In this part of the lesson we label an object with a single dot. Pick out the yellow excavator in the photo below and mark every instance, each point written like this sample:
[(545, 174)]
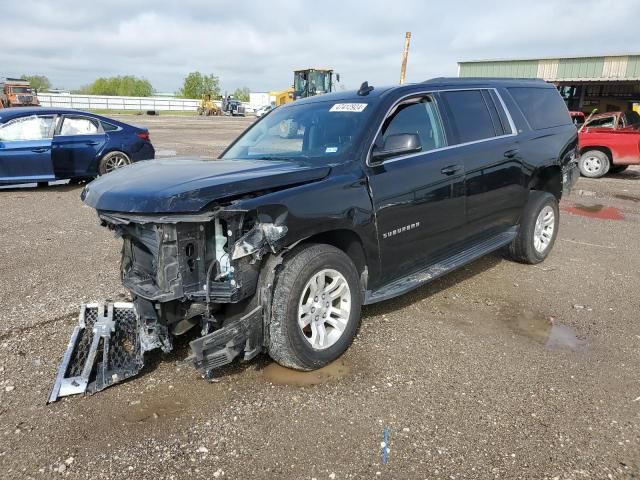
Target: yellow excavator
[(307, 82)]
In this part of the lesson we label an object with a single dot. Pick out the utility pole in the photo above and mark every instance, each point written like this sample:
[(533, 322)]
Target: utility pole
[(405, 55)]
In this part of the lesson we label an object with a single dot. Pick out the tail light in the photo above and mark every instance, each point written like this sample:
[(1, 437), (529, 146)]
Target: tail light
[(143, 136)]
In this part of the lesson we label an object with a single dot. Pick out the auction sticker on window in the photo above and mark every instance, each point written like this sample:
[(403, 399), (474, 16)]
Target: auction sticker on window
[(348, 107)]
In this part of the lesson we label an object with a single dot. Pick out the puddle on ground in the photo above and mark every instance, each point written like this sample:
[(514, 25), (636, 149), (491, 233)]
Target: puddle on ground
[(630, 198), (280, 375), (546, 330), (153, 409), (595, 211)]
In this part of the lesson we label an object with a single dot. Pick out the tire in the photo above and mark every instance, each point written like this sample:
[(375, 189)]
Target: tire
[(594, 164), (534, 241), (618, 168), (113, 161), (289, 344)]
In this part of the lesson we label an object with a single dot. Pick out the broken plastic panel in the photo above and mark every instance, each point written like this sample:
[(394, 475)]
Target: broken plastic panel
[(104, 349)]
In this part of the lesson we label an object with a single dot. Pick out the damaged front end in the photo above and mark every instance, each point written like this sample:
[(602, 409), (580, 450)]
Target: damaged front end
[(184, 272)]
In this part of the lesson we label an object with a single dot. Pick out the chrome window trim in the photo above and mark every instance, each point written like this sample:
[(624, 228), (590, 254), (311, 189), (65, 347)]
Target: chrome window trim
[(514, 131)]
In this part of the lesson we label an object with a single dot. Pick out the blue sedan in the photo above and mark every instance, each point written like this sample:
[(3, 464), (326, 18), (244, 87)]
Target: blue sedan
[(47, 144)]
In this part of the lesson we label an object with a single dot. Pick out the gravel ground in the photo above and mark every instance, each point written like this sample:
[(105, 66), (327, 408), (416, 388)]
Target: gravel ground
[(499, 370)]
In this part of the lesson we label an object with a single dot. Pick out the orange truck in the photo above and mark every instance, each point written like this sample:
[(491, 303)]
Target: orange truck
[(15, 92)]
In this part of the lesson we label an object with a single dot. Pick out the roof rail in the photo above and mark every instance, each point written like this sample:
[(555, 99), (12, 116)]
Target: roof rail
[(477, 79)]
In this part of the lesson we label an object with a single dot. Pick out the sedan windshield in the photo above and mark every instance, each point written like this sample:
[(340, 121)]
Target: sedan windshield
[(319, 131)]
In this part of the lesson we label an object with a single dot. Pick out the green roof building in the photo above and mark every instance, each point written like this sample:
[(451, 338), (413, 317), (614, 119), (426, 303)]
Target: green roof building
[(608, 83)]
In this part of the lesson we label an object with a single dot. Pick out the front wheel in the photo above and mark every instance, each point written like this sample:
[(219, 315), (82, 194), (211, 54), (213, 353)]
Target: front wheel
[(538, 229), (113, 161), (315, 309)]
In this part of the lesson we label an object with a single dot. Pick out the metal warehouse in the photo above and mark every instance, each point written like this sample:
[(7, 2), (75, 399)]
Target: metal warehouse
[(608, 83)]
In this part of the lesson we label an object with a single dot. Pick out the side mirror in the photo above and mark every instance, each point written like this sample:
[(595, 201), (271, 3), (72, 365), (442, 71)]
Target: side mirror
[(337, 77), (398, 144)]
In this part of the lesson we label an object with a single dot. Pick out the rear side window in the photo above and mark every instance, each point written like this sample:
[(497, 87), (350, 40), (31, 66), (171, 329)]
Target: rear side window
[(109, 127), (543, 107), (469, 114), (603, 122), (78, 126)]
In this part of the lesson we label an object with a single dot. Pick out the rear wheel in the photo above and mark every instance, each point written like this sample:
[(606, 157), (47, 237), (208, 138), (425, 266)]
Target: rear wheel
[(538, 229), (618, 168), (316, 308), (594, 164), (113, 161)]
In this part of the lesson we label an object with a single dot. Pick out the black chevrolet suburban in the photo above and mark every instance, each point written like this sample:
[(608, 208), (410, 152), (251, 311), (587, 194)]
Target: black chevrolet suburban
[(332, 202)]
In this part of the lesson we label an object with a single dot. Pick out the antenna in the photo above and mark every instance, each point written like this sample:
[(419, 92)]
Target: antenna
[(365, 89)]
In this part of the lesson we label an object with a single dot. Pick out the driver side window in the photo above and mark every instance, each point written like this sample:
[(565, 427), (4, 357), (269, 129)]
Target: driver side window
[(27, 128), (417, 116)]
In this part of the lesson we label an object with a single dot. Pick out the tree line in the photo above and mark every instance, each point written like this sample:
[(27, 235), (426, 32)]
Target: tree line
[(194, 86)]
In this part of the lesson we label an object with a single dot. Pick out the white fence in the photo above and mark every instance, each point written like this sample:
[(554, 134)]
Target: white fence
[(86, 102)]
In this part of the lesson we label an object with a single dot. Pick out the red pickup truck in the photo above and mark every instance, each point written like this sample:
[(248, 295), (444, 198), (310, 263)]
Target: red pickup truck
[(609, 142)]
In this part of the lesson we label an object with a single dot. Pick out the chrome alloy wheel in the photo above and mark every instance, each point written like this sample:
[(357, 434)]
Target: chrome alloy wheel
[(115, 162), (592, 165), (543, 231), (324, 308)]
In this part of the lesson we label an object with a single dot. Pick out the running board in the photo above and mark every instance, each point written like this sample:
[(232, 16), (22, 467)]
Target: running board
[(416, 279)]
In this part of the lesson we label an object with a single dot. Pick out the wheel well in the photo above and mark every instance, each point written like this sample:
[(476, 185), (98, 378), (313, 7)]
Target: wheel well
[(345, 240), (605, 150), (548, 179)]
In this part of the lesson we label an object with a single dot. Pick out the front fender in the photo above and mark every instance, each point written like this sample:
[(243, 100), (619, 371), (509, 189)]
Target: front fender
[(339, 202)]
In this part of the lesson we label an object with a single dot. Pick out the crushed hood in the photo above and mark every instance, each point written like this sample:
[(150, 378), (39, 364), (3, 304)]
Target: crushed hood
[(188, 185)]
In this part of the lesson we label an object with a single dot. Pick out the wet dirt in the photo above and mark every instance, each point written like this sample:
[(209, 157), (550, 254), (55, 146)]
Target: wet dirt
[(279, 375), (594, 211), (153, 408), (453, 356), (545, 330), (631, 198)]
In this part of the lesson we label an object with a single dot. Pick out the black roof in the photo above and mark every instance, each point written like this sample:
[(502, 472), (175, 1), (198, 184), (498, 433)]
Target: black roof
[(487, 81), (436, 83)]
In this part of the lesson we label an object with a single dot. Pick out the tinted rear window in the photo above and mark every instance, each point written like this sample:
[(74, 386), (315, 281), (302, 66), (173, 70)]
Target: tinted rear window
[(543, 107), (469, 115), (108, 127)]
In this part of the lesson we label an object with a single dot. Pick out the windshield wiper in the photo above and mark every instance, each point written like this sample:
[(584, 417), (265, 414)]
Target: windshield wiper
[(275, 157)]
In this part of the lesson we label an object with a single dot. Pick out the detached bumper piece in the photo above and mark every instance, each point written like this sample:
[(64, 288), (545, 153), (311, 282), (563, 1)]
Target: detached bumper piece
[(104, 349), (222, 346)]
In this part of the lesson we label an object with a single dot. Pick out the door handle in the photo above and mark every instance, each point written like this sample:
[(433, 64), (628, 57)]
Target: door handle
[(92, 142), (511, 153), (451, 169), (39, 150)]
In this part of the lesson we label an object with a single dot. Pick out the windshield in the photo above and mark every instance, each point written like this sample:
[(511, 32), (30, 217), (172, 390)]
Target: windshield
[(321, 131), (20, 90)]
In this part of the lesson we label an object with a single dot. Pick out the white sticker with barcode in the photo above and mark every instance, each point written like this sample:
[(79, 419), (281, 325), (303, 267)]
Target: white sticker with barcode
[(348, 107)]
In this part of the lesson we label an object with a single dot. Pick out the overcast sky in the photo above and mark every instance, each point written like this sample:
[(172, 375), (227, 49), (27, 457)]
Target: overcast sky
[(259, 43)]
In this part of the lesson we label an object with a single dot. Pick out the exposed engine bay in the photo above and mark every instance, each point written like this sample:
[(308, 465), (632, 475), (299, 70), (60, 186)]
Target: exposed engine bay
[(183, 272)]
